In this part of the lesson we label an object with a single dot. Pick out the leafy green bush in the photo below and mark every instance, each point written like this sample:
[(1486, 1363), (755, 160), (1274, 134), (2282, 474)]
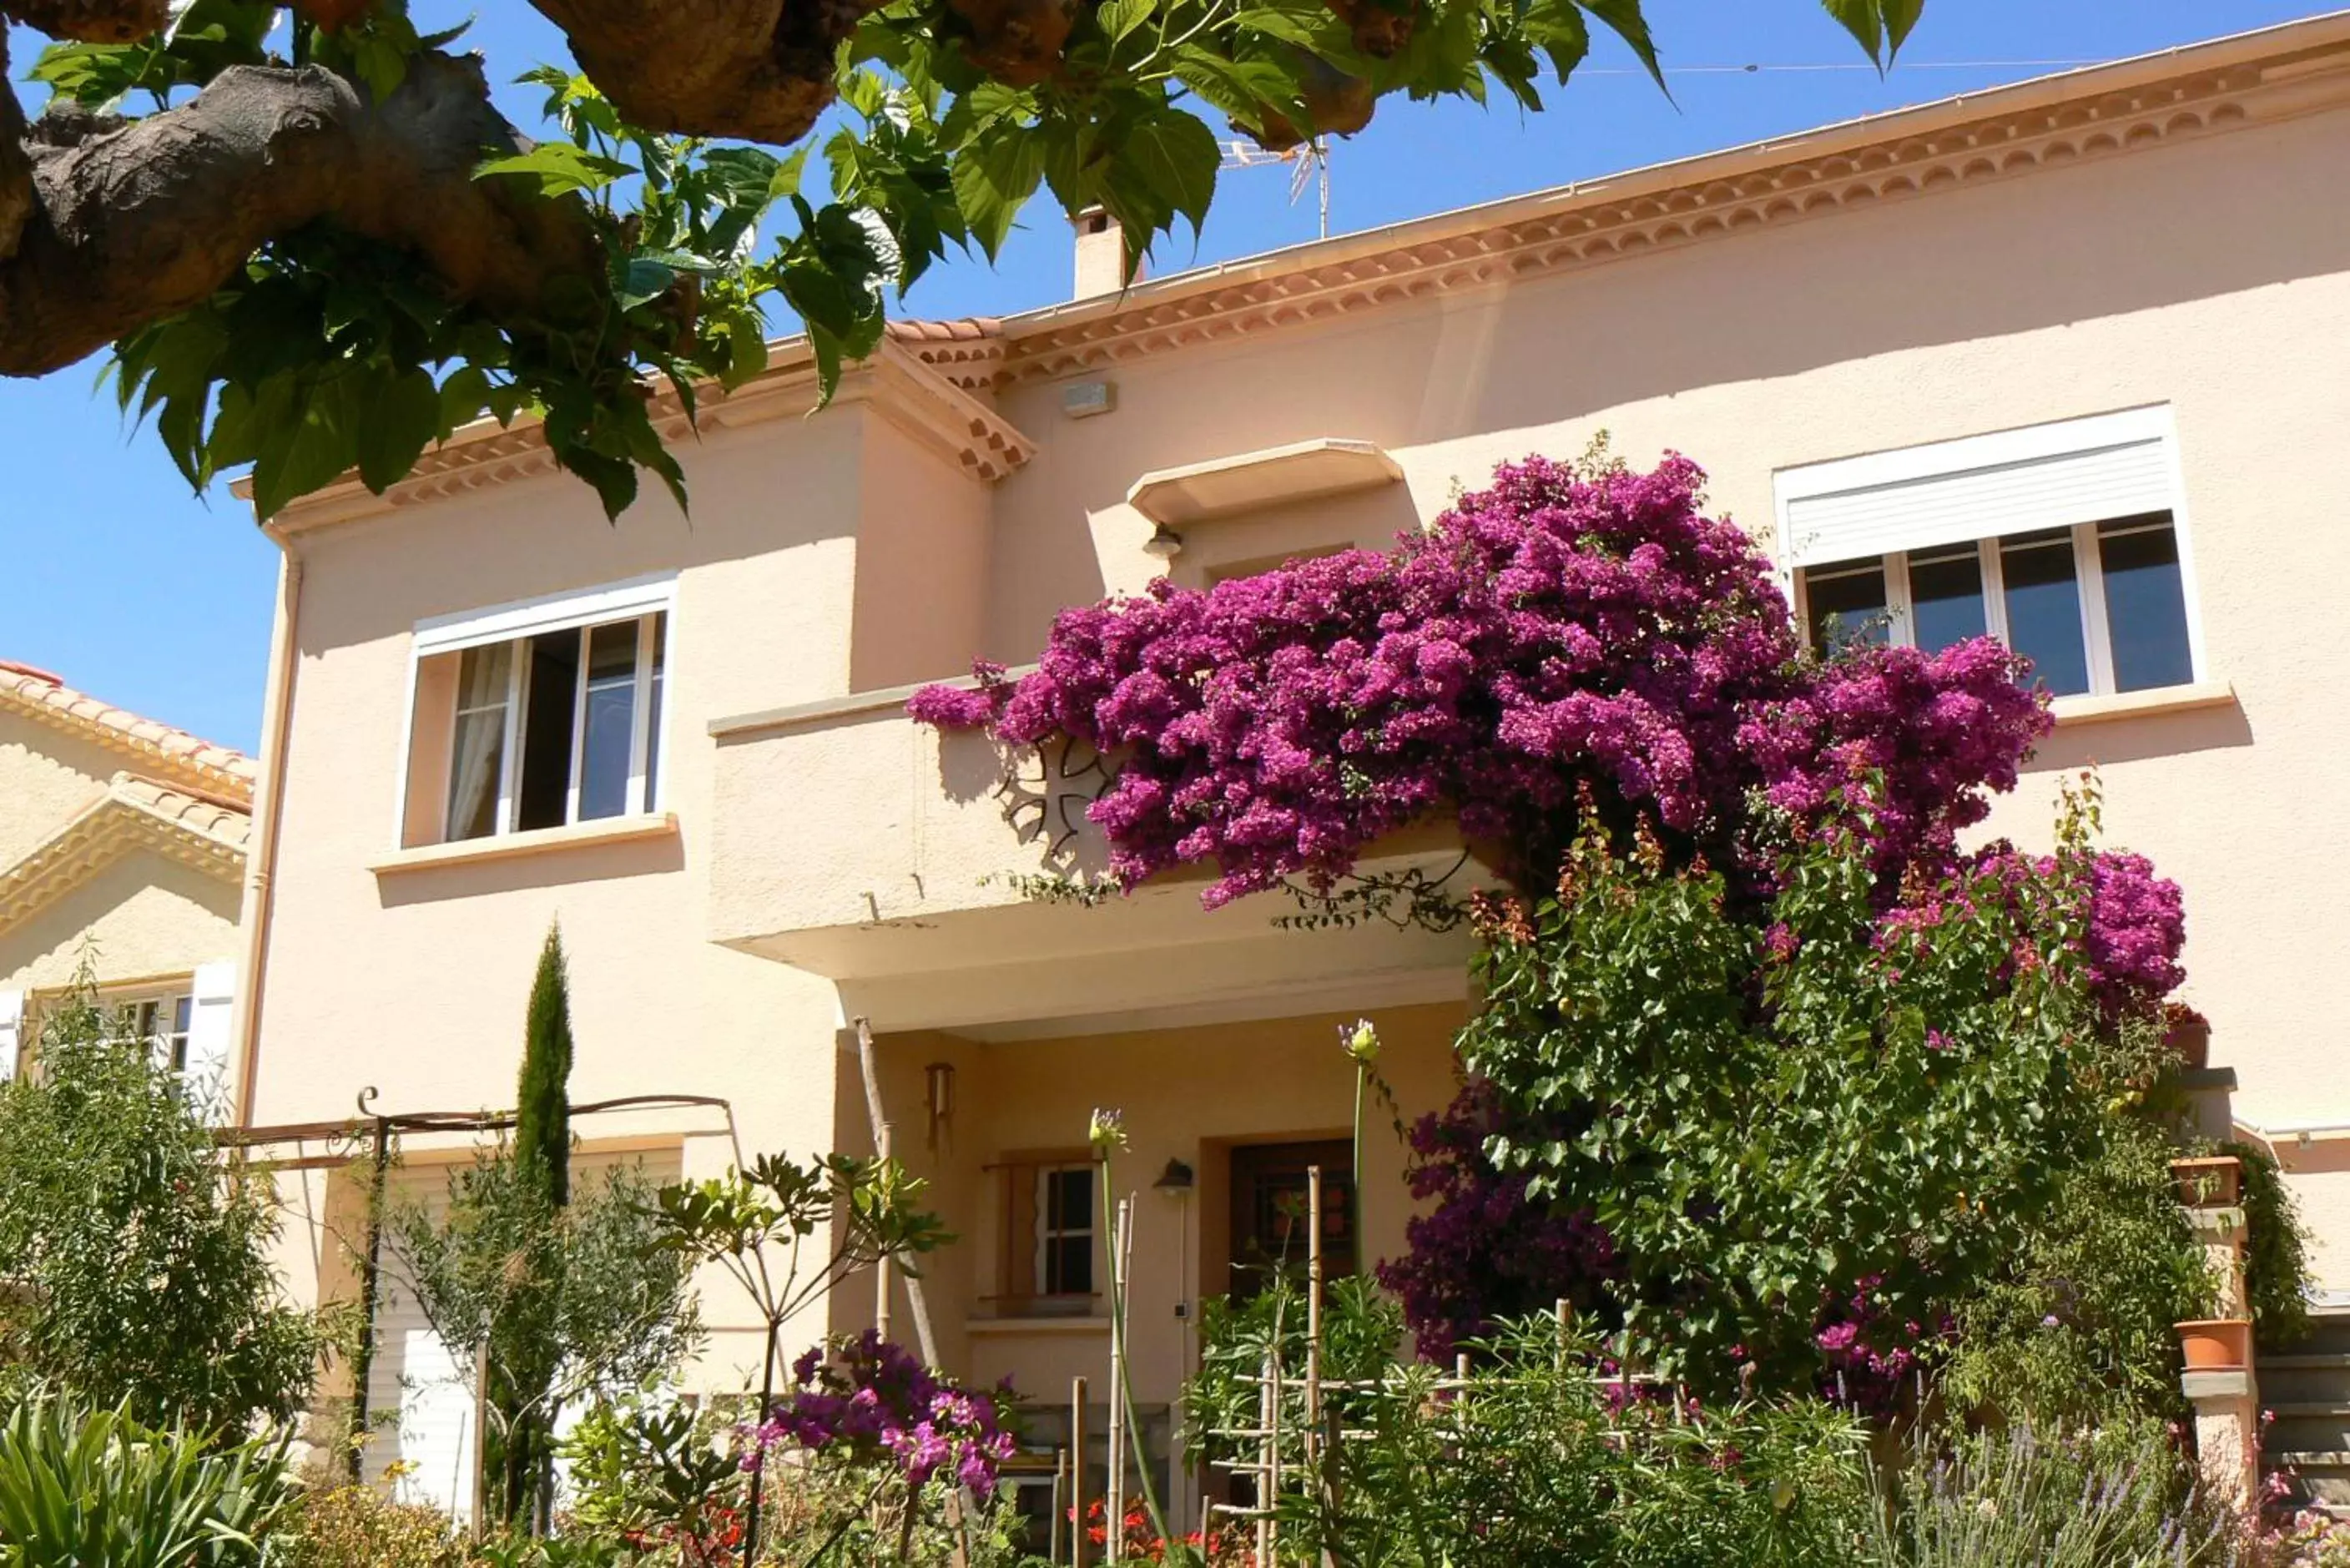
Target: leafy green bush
[(1361, 1328), (1539, 1460), (2276, 1249), (2078, 1332), (86, 1487), (659, 1477), (133, 1258)]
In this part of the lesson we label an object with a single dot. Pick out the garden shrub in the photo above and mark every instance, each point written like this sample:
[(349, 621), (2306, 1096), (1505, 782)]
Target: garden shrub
[(359, 1527), (1539, 1461), (134, 1257)]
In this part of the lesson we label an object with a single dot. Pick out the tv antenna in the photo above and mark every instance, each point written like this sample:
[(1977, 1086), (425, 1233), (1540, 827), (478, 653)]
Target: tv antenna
[(1309, 163)]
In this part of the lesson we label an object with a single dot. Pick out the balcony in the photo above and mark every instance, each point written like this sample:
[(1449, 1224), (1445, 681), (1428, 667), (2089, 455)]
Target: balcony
[(932, 877)]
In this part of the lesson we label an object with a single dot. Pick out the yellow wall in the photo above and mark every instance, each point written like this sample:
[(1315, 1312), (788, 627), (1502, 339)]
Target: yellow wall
[(143, 915)]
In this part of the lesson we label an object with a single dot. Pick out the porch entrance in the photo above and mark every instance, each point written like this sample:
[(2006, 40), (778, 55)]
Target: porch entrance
[(1269, 1209)]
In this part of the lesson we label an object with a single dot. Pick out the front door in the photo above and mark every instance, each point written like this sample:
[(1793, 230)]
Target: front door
[(1269, 1209)]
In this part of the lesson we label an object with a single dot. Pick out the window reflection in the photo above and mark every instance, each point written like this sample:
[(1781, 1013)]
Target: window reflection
[(1847, 606), (1946, 596), (2044, 609), (2145, 603)]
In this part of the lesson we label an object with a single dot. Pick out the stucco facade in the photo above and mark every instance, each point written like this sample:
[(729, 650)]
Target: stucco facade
[(123, 856), (2165, 236)]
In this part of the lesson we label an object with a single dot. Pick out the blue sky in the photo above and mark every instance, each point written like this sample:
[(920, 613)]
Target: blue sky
[(160, 600)]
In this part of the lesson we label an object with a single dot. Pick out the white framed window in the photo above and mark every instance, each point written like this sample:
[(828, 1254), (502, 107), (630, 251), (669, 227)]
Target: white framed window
[(2065, 541), (537, 715), (1065, 1229)]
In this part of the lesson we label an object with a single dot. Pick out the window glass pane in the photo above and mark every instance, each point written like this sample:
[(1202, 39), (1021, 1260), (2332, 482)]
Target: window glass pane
[(1945, 597), (477, 752), (653, 713), (2145, 604), (2044, 609), (1069, 1199), (1069, 1266), (183, 1011), (1846, 605), (610, 720), (543, 795)]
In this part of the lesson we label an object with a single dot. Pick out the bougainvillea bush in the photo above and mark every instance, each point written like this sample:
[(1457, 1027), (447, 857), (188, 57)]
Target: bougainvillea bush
[(1565, 626), (1770, 1069)]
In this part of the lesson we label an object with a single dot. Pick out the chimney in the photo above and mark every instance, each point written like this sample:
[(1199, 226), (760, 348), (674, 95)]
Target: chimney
[(1101, 254)]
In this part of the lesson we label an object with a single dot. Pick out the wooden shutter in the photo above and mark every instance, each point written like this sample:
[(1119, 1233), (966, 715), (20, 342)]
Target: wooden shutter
[(12, 1024), (208, 1034)]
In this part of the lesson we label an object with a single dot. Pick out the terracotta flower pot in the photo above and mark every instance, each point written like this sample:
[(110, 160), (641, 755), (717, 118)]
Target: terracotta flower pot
[(2189, 1037), (2214, 1182), (2217, 1345)]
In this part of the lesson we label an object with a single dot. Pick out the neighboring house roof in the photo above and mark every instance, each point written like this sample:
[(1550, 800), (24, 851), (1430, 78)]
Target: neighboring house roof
[(135, 813), (157, 749), (2007, 132)]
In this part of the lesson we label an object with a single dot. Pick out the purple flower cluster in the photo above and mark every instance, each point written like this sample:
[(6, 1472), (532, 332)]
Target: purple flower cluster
[(1480, 1251), (876, 1402), (1867, 1358), (1556, 628)]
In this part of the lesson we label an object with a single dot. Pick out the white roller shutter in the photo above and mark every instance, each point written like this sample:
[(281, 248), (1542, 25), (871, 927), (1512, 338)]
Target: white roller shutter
[(12, 1025), (2017, 482), (214, 994)]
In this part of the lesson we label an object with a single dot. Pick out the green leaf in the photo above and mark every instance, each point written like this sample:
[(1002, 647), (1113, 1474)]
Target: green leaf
[(1625, 18), (1119, 18), (312, 446), (993, 179), (462, 399), (642, 280), (1177, 156), (402, 415), (557, 169)]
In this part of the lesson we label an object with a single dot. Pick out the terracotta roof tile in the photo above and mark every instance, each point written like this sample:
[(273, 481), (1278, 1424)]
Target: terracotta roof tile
[(964, 330), (186, 760), (134, 813)]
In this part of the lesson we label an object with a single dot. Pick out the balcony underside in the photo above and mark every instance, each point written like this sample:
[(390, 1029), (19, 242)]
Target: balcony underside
[(1148, 959)]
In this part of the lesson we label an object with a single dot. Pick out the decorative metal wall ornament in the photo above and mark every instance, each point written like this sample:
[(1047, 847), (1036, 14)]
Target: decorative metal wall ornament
[(1046, 790)]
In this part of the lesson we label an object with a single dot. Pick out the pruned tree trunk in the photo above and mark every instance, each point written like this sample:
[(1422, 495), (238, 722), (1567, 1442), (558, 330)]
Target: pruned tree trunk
[(130, 222)]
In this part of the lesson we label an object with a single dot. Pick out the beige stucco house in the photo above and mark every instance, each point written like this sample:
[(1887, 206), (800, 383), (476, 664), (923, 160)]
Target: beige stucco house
[(122, 849), (2061, 360)]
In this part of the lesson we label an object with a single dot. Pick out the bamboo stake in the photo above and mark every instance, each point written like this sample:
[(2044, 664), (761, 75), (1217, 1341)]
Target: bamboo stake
[(480, 1439), (1268, 1397), (1113, 1509), (1316, 1460), (1077, 1473)]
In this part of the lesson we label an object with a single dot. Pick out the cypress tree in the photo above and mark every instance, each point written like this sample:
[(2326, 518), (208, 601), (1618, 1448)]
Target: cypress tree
[(526, 1347), (543, 1111)]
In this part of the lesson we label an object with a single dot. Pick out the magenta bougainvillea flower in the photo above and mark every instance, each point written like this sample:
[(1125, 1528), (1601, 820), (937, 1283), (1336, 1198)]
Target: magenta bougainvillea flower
[(875, 1402)]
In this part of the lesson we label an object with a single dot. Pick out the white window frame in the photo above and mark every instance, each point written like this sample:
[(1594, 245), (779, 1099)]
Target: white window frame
[(2029, 444), (641, 598), (1047, 1233)]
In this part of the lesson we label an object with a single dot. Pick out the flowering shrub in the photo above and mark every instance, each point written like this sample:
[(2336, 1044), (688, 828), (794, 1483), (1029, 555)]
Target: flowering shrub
[(1478, 1250), (875, 1402), (1560, 627)]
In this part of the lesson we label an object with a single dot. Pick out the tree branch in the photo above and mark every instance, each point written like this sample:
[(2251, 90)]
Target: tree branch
[(757, 69), (132, 222)]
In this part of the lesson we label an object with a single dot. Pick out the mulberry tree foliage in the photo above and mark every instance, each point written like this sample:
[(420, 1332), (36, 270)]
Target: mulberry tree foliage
[(314, 245), (1578, 659)]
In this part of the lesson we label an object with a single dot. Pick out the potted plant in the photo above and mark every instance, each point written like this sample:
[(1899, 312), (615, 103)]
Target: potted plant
[(2209, 1181), (2188, 1033), (2217, 1345)]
